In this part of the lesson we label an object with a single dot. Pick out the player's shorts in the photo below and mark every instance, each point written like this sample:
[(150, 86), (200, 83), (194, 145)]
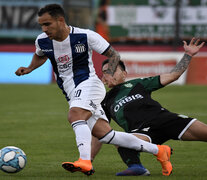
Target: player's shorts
[(171, 129), (88, 95)]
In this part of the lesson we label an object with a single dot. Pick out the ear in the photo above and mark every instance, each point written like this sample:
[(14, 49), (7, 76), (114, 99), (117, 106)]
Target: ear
[(61, 19), (124, 73)]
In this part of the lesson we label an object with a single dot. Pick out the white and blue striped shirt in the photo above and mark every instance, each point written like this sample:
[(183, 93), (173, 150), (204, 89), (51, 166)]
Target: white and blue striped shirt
[(72, 58)]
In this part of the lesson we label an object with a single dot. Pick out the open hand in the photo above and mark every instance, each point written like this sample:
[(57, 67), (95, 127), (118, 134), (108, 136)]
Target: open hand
[(193, 48)]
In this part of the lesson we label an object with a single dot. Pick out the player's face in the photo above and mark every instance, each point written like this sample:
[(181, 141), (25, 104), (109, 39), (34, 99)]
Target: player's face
[(50, 25), (111, 81)]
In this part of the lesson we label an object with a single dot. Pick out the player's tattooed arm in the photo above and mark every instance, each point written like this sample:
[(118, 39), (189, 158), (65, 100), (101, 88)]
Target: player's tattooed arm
[(183, 64), (177, 71), (191, 50), (114, 58)]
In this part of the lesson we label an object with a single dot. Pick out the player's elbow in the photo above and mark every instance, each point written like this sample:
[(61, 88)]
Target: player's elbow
[(176, 77), (166, 79)]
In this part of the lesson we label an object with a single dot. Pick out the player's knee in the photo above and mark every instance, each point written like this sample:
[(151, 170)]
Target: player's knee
[(76, 113), (107, 138)]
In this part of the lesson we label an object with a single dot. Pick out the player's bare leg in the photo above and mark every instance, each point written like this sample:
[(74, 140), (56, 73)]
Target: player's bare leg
[(196, 132)]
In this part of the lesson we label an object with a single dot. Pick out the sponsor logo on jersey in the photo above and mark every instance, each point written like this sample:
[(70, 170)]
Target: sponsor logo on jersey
[(126, 100), (93, 105), (128, 85), (65, 65), (80, 48), (47, 50), (102, 112), (63, 59)]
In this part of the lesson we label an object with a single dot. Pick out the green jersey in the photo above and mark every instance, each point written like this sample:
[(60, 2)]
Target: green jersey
[(130, 103)]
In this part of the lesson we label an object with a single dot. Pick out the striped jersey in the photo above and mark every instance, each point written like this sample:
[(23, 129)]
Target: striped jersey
[(72, 58)]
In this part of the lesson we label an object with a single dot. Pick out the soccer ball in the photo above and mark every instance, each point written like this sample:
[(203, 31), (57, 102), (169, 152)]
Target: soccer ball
[(12, 159)]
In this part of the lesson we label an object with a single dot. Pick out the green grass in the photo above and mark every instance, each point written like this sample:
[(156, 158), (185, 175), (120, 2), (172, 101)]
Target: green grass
[(34, 118)]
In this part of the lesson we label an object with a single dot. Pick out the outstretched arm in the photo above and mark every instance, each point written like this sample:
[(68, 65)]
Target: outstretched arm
[(190, 50), (36, 62)]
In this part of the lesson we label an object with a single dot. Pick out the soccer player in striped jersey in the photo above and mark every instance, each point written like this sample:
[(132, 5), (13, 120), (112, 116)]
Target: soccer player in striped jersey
[(70, 51)]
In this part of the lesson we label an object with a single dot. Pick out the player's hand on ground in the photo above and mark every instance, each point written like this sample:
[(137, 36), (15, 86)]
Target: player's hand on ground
[(193, 47), (22, 71)]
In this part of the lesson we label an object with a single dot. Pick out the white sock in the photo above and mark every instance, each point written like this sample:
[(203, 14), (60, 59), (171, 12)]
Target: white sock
[(83, 138), (129, 141)]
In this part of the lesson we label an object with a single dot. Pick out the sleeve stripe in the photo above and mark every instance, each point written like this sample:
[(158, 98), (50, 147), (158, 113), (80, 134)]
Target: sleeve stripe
[(106, 49), (160, 82)]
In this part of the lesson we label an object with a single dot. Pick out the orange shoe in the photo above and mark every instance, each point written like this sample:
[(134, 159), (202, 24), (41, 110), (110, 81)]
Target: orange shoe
[(84, 166), (163, 156)]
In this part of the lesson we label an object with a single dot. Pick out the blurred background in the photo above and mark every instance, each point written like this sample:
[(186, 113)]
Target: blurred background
[(147, 33)]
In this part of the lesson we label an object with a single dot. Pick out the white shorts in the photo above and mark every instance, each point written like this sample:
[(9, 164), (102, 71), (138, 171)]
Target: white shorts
[(88, 95)]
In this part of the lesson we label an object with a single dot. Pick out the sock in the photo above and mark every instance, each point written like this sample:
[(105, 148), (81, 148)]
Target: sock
[(129, 156), (129, 141), (83, 138)]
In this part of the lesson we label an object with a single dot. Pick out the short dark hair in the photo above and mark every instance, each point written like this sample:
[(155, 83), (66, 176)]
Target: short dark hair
[(54, 10), (121, 64)]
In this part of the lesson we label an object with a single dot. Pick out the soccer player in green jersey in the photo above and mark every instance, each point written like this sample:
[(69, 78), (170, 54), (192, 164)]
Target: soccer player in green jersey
[(130, 105)]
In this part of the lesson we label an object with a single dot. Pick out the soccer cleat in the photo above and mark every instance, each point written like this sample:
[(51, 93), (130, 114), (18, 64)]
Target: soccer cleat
[(163, 156), (134, 170), (84, 166)]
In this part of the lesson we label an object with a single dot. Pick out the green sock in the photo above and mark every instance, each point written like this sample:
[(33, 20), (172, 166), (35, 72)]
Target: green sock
[(129, 156)]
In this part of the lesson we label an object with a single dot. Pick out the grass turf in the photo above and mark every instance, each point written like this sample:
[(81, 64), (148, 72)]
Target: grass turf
[(34, 118)]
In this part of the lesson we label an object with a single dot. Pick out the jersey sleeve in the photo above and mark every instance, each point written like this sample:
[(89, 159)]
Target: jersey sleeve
[(38, 51), (150, 83), (97, 42)]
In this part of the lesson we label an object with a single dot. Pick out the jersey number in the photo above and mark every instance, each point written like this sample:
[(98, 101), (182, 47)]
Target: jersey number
[(77, 93)]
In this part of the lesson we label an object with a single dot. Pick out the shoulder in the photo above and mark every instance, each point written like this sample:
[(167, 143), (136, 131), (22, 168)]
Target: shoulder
[(132, 82), (144, 79), (42, 36), (150, 83), (91, 35), (77, 30)]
